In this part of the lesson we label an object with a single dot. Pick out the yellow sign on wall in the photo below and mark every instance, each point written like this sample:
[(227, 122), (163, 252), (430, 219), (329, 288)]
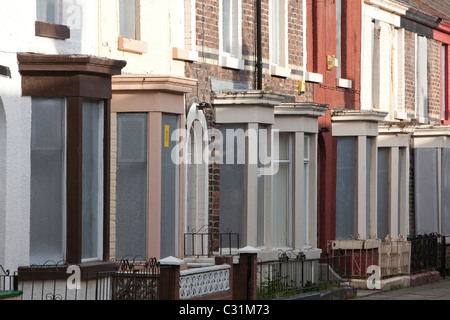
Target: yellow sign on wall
[(166, 136)]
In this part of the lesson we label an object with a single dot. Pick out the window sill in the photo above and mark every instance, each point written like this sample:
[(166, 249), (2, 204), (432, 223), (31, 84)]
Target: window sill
[(344, 83), (182, 54), (313, 77), (88, 271), (422, 119), (232, 63), (279, 71), (132, 45), (50, 30), (400, 115)]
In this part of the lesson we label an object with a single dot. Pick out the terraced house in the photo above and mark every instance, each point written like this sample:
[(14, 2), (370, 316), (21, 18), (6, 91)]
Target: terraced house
[(175, 133)]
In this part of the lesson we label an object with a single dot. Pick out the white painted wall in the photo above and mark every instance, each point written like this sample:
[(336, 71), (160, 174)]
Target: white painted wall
[(160, 28), (17, 32)]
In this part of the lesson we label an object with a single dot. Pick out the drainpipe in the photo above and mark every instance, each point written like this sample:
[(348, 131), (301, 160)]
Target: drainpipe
[(258, 46)]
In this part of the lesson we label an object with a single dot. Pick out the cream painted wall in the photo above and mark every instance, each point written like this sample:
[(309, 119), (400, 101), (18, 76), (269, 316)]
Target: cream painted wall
[(158, 28)]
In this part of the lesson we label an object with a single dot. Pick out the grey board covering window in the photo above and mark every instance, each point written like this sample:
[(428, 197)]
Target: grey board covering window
[(369, 143), (232, 192), (169, 187), (422, 76), (47, 180), (281, 193), (445, 209), (426, 190), (345, 188), (383, 193), (131, 188), (92, 171), (49, 11), (127, 18)]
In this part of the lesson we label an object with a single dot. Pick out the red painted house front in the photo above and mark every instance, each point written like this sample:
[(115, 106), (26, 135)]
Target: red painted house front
[(340, 89)]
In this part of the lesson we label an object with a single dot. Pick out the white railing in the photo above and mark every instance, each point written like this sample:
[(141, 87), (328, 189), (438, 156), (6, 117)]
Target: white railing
[(203, 281)]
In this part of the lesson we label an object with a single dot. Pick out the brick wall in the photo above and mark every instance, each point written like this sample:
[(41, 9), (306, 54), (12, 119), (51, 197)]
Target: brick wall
[(410, 73), (242, 280), (208, 67), (434, 81)]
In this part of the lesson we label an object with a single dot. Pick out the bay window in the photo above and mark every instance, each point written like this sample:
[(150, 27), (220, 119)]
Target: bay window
[(69, 155)]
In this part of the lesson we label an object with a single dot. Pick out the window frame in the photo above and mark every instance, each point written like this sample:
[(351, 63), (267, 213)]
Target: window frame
[(51, 29), (233, 59), (135, 16), (289, 218), (278, 39), (133, 44), (421, 80), (185, 47)]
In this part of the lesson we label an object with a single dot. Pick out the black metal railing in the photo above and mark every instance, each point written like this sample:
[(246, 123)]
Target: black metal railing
[(8, 281), (293, 274), (444, 255), (209, 242), (128, 279), (136, 280), (424, 252)]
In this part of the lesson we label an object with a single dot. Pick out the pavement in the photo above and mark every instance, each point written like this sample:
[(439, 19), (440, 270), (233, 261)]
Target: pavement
[(439, 290)]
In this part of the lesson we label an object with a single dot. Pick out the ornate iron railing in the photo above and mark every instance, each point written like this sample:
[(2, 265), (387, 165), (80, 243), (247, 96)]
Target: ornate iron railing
[(8, 281), (136, 280), (129, 279), (207, 241), (424, 252), (293, 273)]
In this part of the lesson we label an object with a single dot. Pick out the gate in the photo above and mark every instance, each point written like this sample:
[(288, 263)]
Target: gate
[(136, 280)]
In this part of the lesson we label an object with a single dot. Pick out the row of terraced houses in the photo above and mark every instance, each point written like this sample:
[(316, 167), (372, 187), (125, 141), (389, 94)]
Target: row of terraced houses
[(347, 100)]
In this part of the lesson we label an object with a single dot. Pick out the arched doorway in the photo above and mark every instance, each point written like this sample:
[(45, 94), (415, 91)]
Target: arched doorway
[(196, 212)]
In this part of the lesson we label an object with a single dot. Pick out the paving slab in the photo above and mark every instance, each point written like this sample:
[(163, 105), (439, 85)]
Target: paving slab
[(434, 291)]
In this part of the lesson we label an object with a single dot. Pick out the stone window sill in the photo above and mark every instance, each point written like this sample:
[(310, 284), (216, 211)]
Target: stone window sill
[(229, 62), (50, 30), (132, 45), (313, 77), (280, 71), (182, 54)]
